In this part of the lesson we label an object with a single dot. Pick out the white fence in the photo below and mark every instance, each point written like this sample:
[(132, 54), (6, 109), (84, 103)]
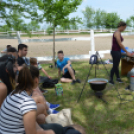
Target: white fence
[(62, 31), (90, 38)]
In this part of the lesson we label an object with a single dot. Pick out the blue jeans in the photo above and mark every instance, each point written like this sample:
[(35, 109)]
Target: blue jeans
[(58, 129)]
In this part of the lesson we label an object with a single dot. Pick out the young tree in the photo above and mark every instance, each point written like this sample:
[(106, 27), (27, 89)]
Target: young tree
[(13, 13), (129, 22), (132, 18), (100, 18), (112, 20), (89, 16), (57, 13)]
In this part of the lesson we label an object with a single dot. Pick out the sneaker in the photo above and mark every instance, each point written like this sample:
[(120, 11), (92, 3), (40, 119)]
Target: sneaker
[(54, 112), (119, 80), (78, 81), (54, 106), (111, 82), (73, 82)]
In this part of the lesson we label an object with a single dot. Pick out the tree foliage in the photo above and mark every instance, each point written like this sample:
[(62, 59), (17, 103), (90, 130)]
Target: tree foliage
[(112, 20), (89, 15), (13, 13), (56, 12), (99, 18)]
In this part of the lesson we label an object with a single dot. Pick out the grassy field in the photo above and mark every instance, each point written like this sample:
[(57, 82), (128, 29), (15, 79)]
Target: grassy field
[(97, 117)]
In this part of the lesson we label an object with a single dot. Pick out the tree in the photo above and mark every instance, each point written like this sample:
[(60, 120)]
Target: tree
[(129, 22), (33, 25), (13, 12), (132, 18), (57, 13), (112, 20), (4, 28), (100, 18), (89, 15)]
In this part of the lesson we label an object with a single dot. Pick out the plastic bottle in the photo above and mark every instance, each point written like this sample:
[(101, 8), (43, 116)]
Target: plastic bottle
[(132, 79)]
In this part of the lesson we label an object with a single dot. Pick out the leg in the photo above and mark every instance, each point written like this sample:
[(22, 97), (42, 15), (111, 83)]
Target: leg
[(41, 105), (116, 60), (65, 80), (112, 70), (58, 129), (117, 67), (71, 71), (41, 119), (40, 108)]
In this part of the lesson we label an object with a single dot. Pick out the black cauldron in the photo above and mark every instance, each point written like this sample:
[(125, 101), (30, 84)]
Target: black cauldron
[(98, 84)]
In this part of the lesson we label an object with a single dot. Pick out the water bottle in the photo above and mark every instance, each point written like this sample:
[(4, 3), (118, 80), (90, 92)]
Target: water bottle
[(132, 79)]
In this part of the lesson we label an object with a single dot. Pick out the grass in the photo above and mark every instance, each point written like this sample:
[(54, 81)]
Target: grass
[(96, 116)]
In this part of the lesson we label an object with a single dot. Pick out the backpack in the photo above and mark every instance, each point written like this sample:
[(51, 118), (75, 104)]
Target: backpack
[(49, 83), (93, 59)]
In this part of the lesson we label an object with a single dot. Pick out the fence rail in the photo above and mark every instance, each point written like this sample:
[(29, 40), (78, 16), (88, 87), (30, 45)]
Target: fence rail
[(62, 31)]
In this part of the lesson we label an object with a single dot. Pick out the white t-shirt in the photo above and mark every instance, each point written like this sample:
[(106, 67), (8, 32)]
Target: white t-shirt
[(12, 111)]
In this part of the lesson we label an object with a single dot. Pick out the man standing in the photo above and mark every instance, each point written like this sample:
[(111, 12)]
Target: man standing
[(64, 65)]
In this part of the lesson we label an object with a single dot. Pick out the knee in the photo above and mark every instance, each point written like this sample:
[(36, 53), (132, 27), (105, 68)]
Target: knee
[(62, 79), (69, 67), (41, 119)]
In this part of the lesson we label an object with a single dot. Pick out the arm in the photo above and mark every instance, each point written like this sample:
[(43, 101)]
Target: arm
[(117, 36), (45, 73), (33, 127), (20, 67), (68, 64), (3, 93), (3, 52)]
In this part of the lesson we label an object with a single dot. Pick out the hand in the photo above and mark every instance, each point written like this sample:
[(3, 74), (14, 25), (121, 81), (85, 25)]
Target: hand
[(49, 77), (129, 54)]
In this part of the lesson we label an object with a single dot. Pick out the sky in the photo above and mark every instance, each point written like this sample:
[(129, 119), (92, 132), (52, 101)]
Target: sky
[(124, 8)]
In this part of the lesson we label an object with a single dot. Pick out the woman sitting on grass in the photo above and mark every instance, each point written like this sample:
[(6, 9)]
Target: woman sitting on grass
[(18, 111), (8, 69)]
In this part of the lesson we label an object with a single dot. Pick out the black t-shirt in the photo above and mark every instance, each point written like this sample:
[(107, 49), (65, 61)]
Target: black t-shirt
[(21, 61)]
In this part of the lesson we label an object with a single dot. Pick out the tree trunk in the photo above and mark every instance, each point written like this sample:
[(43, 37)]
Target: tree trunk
[(54, 46)]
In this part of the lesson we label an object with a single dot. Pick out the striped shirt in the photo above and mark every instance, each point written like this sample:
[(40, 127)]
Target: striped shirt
[(12, 111)]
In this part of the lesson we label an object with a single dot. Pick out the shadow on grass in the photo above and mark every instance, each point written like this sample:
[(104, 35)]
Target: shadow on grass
[(92, 113)]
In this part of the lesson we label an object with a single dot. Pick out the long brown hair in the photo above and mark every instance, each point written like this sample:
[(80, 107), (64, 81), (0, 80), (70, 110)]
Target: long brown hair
[(25, 81)]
